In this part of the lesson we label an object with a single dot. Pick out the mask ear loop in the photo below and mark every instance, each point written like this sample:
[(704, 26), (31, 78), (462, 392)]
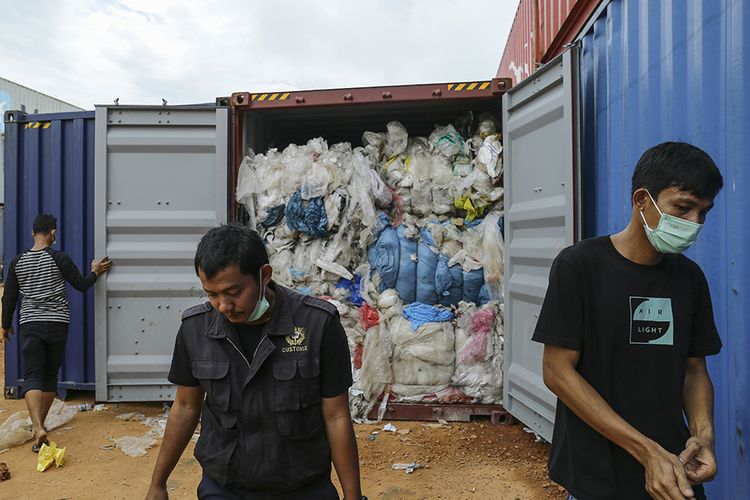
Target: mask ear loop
[(657, 209)]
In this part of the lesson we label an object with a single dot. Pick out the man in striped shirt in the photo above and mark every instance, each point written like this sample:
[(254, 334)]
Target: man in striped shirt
[(39, 275)]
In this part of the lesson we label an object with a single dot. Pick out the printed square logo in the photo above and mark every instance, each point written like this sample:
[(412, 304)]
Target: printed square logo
[(651, 321)]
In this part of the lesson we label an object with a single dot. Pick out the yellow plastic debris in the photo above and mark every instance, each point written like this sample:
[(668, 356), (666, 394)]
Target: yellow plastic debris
[(49, 454), (473, 208)]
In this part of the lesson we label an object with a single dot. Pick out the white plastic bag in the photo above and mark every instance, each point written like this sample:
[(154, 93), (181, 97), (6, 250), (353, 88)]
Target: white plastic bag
[(492, 256), (396, 139)]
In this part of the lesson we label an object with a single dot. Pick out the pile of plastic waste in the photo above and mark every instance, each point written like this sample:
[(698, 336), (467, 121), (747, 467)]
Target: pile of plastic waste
[(404, 236)]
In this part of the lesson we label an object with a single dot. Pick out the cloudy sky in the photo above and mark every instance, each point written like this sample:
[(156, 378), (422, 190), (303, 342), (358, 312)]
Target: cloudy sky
[(91, 51)]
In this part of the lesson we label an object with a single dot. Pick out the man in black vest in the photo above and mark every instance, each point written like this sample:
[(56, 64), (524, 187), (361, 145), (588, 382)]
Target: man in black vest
[(275, 370)]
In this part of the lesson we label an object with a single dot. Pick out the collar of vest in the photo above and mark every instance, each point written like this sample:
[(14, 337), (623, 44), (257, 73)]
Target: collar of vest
[(280, 324)]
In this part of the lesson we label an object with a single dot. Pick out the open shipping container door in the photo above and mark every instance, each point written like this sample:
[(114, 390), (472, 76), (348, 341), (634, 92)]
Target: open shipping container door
[(541, 212), (161, 183)]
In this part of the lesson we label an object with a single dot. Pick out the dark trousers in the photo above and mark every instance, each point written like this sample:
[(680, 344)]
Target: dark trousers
[(208, 489), (42, 346)]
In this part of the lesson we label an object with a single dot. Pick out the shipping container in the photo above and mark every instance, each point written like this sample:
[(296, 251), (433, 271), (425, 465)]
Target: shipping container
[(17, 97), (50, 169), (161, 183), (540, 32), (678, 71), (261, 121)]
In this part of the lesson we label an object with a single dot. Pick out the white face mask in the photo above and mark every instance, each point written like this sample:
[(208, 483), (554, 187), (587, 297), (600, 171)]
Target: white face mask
[(672, 234)]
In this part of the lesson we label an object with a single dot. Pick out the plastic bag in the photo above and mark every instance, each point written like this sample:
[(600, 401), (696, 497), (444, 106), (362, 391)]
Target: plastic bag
[(488, 125), (247, 186), (421, 314), (136, 446), (308, 217), (490, 156), (396, 139), (49, 454), (16, 430), (464, 124), (423, 357), (492, 261), (316, 182), (447, 141), (406, 280), (369, 316), (421, 192), (427, 260)]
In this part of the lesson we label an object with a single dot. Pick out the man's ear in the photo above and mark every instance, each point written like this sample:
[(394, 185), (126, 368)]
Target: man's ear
[(640, 199)]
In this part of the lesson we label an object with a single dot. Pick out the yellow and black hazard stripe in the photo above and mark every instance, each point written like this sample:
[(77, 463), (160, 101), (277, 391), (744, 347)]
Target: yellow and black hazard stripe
[(278, 96), (468, 86), (38, 125)]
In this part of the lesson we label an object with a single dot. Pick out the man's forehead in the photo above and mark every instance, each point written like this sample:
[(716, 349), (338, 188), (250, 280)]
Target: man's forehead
[(679, 195)]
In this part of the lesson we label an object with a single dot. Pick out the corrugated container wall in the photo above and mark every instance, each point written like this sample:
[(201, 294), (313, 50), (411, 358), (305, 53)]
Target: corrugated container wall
[(540, 32), (17, 97), (50, 168), (674, 70)]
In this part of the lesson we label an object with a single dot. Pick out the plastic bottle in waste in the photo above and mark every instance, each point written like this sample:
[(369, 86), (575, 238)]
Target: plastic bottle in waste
[(85, 407)]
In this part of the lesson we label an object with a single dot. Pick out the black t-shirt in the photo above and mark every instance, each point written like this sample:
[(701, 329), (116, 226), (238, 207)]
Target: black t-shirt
[(335, 363), (635, 327)]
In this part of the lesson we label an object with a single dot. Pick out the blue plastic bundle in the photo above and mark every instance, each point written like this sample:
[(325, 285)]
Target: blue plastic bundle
[(406, 282), (420, 314), (449, 282), (473, 283), (384, 257), (308, 217), (355, 289), (426, 269), (484, 295)]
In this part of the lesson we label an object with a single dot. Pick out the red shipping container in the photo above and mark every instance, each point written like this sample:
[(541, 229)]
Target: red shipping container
[(540, 31)]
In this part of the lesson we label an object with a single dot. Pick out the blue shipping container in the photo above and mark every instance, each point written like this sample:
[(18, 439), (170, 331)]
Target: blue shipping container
[(49, 168), (654, 71)]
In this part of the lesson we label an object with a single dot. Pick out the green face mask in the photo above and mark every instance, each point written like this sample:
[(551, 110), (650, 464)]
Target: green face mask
[(261, 307), (672, 234)]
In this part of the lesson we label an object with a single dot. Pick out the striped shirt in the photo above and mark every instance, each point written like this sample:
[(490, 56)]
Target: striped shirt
[(40, 276)]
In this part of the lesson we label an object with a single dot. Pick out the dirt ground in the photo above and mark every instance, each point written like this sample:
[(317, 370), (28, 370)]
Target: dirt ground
[(463, 461)]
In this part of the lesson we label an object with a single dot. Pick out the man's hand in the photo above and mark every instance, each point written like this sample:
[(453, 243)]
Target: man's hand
[(157, 493), (7, 334), (665, 476), (102, 266), (699, 460)]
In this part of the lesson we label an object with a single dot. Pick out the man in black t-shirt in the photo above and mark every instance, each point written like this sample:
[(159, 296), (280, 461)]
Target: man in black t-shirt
[(627, 322), (267, 371)]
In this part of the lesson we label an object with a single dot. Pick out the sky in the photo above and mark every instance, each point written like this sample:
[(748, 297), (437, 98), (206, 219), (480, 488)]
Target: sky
[(90, 52)]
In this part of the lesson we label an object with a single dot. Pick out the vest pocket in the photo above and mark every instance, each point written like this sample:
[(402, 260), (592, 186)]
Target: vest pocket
[(297, 397), (214, 379)]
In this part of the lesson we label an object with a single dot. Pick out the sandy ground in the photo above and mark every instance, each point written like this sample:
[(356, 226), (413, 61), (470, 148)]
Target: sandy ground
[(463, 461)]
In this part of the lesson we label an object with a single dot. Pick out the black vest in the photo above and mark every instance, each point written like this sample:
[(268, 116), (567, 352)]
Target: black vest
[(262, 426)]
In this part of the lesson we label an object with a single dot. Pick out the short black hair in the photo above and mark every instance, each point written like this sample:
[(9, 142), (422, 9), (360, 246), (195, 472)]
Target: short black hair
[(44, 224), (230, 244), (677, 164)]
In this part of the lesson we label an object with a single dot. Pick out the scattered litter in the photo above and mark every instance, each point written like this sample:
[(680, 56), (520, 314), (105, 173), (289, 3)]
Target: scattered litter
[(16, 430), (389, 428), (69, 428), (131, 416), (100, 407), (409, 468), (537, 437), (136, 446), (49, 454), (403, 432), (372, 437), (3, 411), (4, 472), (85, 406)]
